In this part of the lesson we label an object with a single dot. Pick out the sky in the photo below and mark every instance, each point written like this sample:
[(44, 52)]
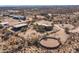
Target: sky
[(39, 2)]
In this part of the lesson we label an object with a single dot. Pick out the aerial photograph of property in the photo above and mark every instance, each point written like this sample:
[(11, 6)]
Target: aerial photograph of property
[(39, 29)]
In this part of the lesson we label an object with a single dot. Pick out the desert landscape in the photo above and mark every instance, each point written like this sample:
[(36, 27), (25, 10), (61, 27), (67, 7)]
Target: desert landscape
[(39, 29)]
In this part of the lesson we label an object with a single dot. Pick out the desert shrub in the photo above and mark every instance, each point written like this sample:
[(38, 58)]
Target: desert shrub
[(1, 26)]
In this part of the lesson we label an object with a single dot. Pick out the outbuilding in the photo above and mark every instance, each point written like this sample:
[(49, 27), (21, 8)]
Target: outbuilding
[(18, 17)]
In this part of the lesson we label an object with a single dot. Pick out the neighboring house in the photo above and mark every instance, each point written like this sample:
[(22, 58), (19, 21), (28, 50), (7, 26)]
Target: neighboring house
[(4, 24), (19, 17)]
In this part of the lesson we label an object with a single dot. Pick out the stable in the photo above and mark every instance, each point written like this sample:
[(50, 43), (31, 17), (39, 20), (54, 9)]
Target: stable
[(43, 26), (18, 27)]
